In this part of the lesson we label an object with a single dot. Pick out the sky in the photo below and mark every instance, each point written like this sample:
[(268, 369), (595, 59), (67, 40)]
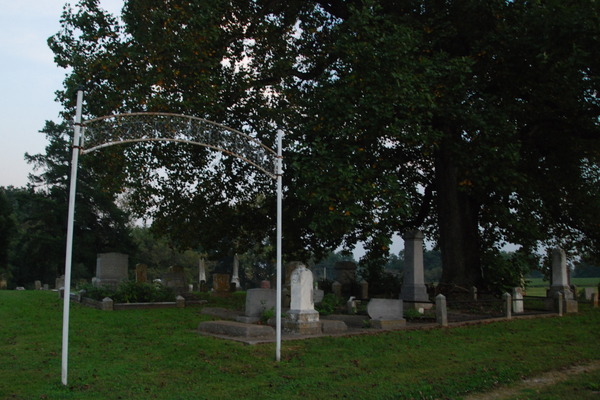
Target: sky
[(28, 80)]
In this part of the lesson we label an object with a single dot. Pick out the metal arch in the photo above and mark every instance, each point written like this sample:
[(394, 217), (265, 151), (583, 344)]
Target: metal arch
[(117, 129), (240, 145)]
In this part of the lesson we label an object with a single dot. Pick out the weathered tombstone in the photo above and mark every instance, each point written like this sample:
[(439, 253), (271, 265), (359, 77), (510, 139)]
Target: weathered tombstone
[(560, 278), (174, 278), (507, 298), (289, 270), (441, 312), (141, 273), (265, 284), (60, 282), (345, 272), (3, 284), (111, 269), (473, 293), (201, 271), (221, 283), (46, 286), (336, 288), (38, 285), (518, 306), (107, 304), (594, 300), (302, 318), (560, 282), (588, 292), (364, 289), (414, 291), (235, 278), (180, 301), (257, 302), (318, 295), (386, 313)]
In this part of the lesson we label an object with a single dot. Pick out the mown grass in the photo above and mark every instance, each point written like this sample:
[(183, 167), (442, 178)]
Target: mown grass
[(157, 354)]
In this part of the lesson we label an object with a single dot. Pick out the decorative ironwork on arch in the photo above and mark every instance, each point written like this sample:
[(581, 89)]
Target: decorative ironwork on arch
[(145, 127)]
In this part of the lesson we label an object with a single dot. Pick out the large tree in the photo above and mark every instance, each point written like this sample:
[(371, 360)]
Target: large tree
[(476, 121)]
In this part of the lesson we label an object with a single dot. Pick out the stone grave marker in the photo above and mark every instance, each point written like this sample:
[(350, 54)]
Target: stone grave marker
[(141, 273), (302, 318), (175, 278), (414, 291), (221, 283), (518, 306), (386, 313), (257, 302), (60, 282), (111, 269)]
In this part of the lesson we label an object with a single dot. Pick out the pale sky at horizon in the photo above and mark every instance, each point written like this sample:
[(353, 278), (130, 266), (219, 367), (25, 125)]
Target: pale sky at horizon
[(29, 80)]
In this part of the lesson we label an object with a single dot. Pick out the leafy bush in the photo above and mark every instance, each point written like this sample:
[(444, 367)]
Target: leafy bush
[(131, 292), (329, 304)]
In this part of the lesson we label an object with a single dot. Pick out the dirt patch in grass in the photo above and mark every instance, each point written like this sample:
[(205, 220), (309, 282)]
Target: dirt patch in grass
[(542, 381)]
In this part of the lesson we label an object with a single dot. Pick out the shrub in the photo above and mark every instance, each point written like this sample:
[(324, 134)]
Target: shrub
[(131, 292)]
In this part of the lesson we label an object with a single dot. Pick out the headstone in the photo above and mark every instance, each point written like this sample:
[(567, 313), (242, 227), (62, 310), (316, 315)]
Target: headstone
[(141, 273), (111, 269), (336, 288), (180, 301), (560, 278), (507, 298), (351, 306), (518, 306), (318, 295), (201, 270), (302, 318), (345, 272), (60, 282), (46, 286), (235, 278), (473, 293), (441, 312), (289, 270), (386, 313), (38, 285), (221, 283), (19, 288), (364, 289), (107, 304), (257, 302), (414, 291), (588, 292), (3, 284), (595, 300), (174, 278)]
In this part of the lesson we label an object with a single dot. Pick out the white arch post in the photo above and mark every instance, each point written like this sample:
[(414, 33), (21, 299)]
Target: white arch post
[(78, 147)]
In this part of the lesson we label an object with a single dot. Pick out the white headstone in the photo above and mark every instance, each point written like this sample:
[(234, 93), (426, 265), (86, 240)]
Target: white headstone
[(413, 286), (302, 289), (560, 278)]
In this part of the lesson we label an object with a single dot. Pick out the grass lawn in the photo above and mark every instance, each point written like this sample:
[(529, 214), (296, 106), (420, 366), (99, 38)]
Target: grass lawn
[(157, 354), (538, 286)]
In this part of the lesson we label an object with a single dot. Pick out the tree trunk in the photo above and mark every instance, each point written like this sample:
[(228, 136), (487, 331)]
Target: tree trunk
[(458, 225)]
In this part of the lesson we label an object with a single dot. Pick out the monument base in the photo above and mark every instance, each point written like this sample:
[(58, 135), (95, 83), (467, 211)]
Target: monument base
[(302, 322), (388, 323)]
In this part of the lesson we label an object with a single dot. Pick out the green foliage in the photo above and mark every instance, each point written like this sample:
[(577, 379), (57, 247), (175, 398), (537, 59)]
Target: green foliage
[(131, 292), (476, 123), (330, 304)]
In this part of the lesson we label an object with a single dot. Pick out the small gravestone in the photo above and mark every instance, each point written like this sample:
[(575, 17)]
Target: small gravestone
[(588, 292), (201, 271), (60, 282), (235, 278), (111, 269), (318, 295), (364, 289), (258, 301), (38, 285), (302, 318), (46, 286), (221, 283), (336, 288), (174, 278), (141, 273), (518, 306), (441, 312), (3, 284), (386, 313)]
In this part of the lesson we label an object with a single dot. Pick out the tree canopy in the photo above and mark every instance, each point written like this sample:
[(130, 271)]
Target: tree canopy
[(475, 121)]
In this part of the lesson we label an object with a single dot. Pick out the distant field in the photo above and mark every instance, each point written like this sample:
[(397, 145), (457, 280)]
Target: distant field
[(537, 286), (580, 282)]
